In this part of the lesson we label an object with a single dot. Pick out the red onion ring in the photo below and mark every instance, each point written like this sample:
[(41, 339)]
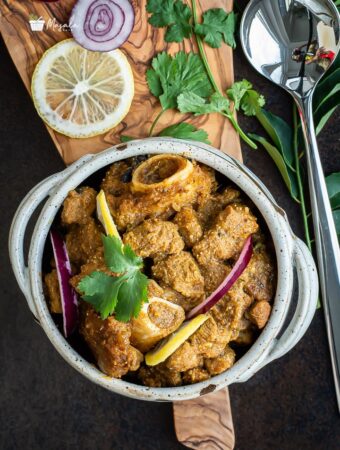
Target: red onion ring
[(102, 25), (228, 282), (69, 300)]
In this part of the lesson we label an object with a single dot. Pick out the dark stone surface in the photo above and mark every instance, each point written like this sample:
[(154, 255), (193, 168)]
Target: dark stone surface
[(45, 404)]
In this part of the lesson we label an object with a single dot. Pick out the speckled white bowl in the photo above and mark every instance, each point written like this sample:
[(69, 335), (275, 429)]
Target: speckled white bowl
[(293, 258)]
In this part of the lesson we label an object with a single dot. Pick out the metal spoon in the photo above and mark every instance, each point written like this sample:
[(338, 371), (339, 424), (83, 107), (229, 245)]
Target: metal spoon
[(293, 43)]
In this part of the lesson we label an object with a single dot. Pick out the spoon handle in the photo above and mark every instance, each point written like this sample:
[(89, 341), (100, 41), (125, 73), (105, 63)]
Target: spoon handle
[(327, 245)]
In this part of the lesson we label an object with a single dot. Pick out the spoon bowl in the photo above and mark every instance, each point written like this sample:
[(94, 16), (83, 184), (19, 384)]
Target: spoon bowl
[(293, 43)]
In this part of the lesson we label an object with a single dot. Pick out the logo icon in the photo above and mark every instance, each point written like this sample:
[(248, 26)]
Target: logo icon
[(36, 23)]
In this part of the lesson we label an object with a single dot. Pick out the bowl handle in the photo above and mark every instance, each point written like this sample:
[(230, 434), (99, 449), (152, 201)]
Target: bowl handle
[(20, 222), (308, 286)]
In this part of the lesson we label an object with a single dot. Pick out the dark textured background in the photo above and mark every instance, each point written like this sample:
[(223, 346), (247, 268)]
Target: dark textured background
[(46, 405)]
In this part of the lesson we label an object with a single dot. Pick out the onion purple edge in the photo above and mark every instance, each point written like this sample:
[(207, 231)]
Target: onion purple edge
[(239, 267), (69, 299)]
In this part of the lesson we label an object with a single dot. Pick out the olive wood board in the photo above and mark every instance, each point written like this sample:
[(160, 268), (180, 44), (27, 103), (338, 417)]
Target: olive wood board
[(206, 422), (26, 47)]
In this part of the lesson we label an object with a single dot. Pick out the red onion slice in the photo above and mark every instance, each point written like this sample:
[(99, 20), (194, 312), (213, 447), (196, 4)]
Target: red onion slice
[(102, 25), (231, 278), (69, 301)]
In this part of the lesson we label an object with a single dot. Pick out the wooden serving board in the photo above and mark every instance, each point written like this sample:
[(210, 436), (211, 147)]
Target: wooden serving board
[(204, 423), (26, 47)]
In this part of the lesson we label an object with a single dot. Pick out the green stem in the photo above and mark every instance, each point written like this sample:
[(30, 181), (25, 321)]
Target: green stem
[(299, 180), (155, 122), (240, 131), (202, 51)]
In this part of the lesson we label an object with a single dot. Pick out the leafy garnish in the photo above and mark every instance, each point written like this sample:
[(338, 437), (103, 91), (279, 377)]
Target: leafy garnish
[(193, 103), (124, 291), (217, 25), (245, 97), (172, 75), (173, 14), (185, 131)]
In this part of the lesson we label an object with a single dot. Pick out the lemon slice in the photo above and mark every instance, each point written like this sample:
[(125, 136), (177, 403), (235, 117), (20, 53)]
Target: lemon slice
[(81, 93), (174, 341), (104, 216)]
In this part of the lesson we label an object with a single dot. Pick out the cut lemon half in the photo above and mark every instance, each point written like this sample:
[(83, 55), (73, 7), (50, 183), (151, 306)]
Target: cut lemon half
[(104, 216), (81, 93), (169, 345)]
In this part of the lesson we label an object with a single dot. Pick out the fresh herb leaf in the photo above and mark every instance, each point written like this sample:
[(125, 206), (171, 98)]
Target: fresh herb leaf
[(251, 102), (185, 131), (171, 76), (173, 14), (217, 25), (125, 138), (237, 91), (125, 291), (190, 102), (329, 104), (333, 187)]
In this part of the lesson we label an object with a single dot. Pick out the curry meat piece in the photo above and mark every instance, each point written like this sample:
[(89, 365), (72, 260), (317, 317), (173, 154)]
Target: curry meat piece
[(187, 303), (195, 375), (259, 313), (227, 236), (82, 241), (159, 376), (94, 263), (114, 182), (109, 341), (154, 238), (260, 276), (184, 358), (208, 210), (53, 292), (213, 275), (221, 362), (78, 206), (131, 208), (189, 226), (181, 273)]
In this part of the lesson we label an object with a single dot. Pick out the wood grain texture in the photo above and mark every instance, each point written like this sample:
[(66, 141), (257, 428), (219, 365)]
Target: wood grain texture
[(26, 48), (205, 423)]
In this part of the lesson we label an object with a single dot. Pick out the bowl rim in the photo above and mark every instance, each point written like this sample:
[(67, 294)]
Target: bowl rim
[(274, 217)]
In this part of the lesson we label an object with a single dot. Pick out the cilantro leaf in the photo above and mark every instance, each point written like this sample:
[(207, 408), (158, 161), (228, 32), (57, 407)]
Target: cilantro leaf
[(101, 291), (185, 131), (120, 258), (245, 97), (193, 103), (173, 14), (183, 72), (217, 25), (122, 294)]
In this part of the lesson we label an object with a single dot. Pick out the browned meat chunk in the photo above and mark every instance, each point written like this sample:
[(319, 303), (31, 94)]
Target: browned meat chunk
[(181, 273), (154, 237), (221, 363), (184, 358), (189, 226), (226, 238), (260, 276), (214, 204), (259, 313), (79, 206), (209, 340), (195, 375), (53, 292), (130, 209), (109, 341), (159, 376), (113, 182), (187, 303), (213, 274), (95, 263), (82, 241)]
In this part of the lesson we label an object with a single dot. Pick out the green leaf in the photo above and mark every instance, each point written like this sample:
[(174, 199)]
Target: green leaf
[(124, 138), (189, 102), (336, 217), (251, 102), (288, 175), (185, 131), (328, 105), (333, 187), (329, 85), (101, 291), (237, 91), (280, 133), (132, 294), (181, 73), (120, 258), (324, 120), (217, 25)]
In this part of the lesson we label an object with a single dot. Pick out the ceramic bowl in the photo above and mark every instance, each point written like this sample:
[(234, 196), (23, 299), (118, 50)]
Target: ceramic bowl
[(295, 266)]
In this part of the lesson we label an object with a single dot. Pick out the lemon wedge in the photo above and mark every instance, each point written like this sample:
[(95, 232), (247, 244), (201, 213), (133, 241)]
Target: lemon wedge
[(104, 216), (174, 341), (81, 93)]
